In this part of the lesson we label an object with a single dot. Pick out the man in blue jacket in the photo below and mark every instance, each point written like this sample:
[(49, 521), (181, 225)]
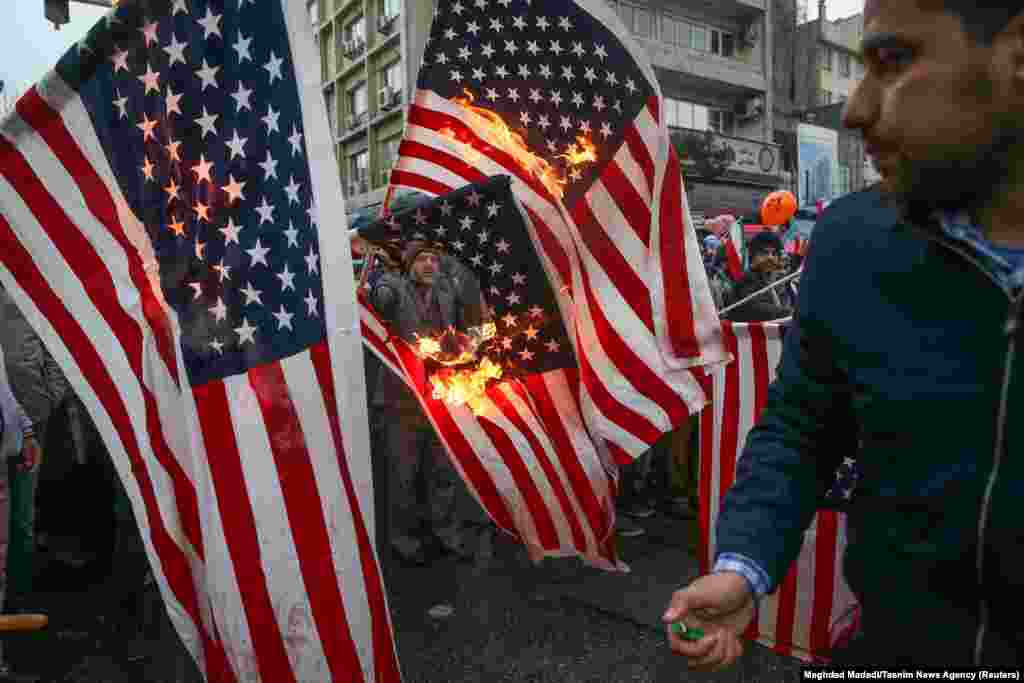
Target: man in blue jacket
[(910, 314)]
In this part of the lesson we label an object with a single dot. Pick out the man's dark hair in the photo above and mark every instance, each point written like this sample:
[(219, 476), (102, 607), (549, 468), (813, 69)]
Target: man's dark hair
[(982, 19)]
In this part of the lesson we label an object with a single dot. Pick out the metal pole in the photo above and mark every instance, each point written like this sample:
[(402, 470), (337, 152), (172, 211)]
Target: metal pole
[(99, 3), (780, 281)]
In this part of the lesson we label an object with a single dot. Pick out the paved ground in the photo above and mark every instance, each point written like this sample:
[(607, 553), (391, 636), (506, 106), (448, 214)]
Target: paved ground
[(561, 622)]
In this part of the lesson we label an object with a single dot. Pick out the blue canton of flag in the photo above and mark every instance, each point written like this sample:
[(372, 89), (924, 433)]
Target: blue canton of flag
[(482, 226), (202, 127), (549, 69), (847, 476)]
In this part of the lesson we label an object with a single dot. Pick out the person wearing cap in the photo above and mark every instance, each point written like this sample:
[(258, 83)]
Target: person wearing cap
[(765, 250), (421, 301)]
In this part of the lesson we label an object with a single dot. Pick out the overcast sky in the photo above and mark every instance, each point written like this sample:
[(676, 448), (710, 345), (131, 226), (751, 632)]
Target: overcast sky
[(29, 45)]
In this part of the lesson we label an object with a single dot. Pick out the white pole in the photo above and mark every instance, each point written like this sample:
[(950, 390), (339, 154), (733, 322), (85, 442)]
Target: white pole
[(780, 281)]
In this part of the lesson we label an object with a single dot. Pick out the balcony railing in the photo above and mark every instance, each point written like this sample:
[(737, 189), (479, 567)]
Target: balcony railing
[(747, 155)]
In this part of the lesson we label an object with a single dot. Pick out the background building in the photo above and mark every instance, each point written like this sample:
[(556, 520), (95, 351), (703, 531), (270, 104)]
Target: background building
[(368, 72), (714, 61)]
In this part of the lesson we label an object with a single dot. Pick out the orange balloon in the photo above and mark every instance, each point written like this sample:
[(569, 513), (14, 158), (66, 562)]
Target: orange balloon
[(778, 207)]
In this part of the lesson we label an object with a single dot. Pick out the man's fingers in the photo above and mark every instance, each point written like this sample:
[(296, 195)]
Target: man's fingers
[(690, 648), (733, 651), (715, 656)]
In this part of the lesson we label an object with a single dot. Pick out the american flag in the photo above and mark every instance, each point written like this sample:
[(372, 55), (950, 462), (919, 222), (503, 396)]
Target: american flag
[(549, 487), (616, 239), (159, 227), (811, 609)]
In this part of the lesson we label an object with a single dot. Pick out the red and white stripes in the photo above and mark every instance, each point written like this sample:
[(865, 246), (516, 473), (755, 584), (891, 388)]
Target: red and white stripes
[(799, 618), (242, 490)]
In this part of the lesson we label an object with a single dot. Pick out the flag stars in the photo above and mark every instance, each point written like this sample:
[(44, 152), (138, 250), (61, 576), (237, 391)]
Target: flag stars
[(600, 52), (173, 102), (567, 73), (456, 75), (206, 122), (120, 59), (552, 346), (292, 235), (458, 245), (441, 58), (121, 104), (502, 246), (545, 71), (577, 99), (473, 199), (265, 210), (147, 126), (202, 211), (312, 262), (500, 71), (465, 53), (208, 76), (230, 232), (218, 346), (585, 127), (446, 208), (488, 50), (509, 320), (258, 254), (175, 51), (565, 124), (556, 47), (496, 25), (210, 24), (233, 189), (197, 290), (450, 34), (477, 260), (172, 150), (483, 236), (458, 8), (606, 130), (590, 75), (506, 343), (532, 47), (246, 333), (311, 305), (599, 103), (518, 279), (510, 47), (512, 299), (543, 122), (631, 85), (531, 333), (200, 248), (481, 4), (269, 167), (270, 120), (151, 79), (611, 78), (524, 71), (237, 145), (535, 95), (542, 23), (513, 94), (177, 227), (284, 318), (617, 106), (526, 355), (519, 23), (495, 268), (241, 47), (202, 169), (287, 279), (295, 140), (241, 97), (292, 190), (251, 294), (577, 49), (492, 94), (273, 67), (147, 168), (473, 27), (223, 271), (219, 310), (149, 32), (466, 222)]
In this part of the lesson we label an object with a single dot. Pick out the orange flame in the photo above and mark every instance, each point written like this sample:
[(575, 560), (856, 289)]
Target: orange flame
[(493, 129), (453, 347), (465, 385)]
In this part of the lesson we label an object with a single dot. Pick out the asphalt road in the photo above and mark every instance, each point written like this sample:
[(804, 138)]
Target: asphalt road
[(560, 622)]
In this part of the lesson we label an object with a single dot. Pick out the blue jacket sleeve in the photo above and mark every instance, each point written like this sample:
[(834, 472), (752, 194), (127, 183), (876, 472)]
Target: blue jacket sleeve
[(771, 504)]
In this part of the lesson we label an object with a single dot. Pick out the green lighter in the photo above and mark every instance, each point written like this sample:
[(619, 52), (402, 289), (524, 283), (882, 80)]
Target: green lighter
[(686, 633)]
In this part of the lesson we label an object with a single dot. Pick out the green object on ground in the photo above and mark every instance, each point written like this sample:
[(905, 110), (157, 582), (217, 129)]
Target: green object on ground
[(22, 538), (686, 633)]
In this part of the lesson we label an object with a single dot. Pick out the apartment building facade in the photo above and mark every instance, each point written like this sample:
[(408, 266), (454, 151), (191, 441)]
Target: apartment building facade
[(714, 62), (369, 74), (713, 59)]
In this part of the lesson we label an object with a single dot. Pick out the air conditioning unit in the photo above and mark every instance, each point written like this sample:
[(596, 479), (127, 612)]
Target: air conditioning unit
[(750, 34), (751, 109), (386, 23), (385, 97)]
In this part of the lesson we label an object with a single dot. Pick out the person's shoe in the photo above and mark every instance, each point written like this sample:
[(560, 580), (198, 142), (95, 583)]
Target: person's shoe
[(626, 529), (638, 510)]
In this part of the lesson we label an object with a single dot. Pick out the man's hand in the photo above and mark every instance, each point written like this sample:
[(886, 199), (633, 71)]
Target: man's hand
[(31, 455), (722, 605)]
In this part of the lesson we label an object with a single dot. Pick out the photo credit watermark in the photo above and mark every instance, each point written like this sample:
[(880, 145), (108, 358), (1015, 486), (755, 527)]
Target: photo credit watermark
[(846, 673)]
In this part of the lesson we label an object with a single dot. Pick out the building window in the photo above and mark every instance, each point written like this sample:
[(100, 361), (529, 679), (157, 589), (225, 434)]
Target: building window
[(390, 8), (698, 38), (723, 43), (844, 179), (392, 76), (359, 168), (357, 102), (826, 58), (721, 121), (355, 32), (332, 109), (844, 65), (682, 114), (637, 19), (388, 154), (675, 31), (824, 97)]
